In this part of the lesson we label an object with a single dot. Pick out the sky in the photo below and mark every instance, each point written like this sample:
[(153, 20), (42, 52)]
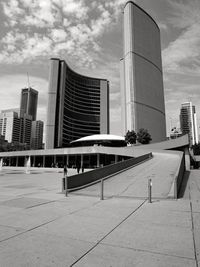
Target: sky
[(87, 34)]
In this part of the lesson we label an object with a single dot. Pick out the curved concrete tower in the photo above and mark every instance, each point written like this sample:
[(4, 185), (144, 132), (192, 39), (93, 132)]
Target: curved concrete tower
[(141, 74)]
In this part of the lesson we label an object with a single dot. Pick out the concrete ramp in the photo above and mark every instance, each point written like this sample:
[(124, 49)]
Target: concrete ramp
[(163, 169)]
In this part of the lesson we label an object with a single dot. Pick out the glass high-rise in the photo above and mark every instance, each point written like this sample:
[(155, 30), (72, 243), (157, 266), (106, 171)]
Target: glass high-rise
[(78, 105), (29, 100)]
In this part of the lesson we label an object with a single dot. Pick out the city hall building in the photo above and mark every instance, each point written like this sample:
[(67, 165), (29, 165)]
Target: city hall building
[(142, 91), (78, 105)]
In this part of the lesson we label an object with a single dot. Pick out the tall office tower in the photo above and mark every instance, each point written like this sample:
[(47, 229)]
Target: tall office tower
[(77, 105), (141, 74), (28, 105), (10, 125), (25, 129), (37, 134), (188, 122)]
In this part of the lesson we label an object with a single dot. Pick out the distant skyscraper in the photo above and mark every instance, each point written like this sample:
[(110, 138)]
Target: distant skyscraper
[(25, 129), (141, 74), (28, 105), (37, 134), (10, 125), (77, 105), (188, 122)]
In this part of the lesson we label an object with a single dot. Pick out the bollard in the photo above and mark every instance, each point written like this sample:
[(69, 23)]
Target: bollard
[(66, 186), (63, 184), (149, 190), (101, 196)]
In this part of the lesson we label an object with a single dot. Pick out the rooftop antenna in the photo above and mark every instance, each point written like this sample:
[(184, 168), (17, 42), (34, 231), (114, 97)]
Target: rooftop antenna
[(28, 80)]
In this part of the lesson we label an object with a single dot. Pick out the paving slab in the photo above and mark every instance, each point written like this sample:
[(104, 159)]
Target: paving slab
[(8, 232), (107, 256), (164, 239), (37, 249), (170, 215)]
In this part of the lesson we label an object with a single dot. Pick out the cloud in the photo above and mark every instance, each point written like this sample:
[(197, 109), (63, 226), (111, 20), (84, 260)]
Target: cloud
[(40, 28), (183, 55), (58, 35)]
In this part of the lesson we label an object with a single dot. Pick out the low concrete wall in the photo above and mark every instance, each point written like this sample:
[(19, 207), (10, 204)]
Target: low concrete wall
[(178, 179), (83, 179)]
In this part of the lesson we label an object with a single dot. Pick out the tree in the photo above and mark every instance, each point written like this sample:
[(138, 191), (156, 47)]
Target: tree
[(143, 136), (196, 149), (130, 137)]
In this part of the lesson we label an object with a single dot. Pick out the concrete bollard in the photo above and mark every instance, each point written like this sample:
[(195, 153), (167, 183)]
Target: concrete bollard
[(150, 191), (66, 186), (101, 193)]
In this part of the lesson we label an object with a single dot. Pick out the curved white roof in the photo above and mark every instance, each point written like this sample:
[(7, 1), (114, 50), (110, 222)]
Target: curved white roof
[(99, 137)]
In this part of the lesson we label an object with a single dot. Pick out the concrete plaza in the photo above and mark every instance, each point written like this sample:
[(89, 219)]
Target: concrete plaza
[(39, 226)]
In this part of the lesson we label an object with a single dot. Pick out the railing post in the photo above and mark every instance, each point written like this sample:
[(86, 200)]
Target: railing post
[(66, 186), (149, 191), (101, 195)]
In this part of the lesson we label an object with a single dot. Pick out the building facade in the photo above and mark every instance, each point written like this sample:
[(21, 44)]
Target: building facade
[(25, 130), (141, 74), (28, 104), (37, 134), (78, 106), (188, 122), (10, 125)]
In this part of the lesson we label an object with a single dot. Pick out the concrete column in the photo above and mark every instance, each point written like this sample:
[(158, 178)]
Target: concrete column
[(33, 161), (81, 161), (9, 161), (67, 160), (116, 158), (28, 165), (43, 162), (25, 161), (17, 161), (98, 160)]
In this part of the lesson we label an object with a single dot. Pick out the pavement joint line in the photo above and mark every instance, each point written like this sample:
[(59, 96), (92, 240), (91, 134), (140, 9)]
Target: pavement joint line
[(108, 233), (148, 251), (193, 234), (31, 229), (45, 203)]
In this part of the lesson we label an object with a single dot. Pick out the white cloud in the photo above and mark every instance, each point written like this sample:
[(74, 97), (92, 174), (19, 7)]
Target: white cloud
[(75, 7), (183, 54), (48, 24), (58, 35)]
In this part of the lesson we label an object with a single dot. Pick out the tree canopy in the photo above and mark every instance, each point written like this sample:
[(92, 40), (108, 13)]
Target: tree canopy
[(130, 137), (143, 136), (196, 149)]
